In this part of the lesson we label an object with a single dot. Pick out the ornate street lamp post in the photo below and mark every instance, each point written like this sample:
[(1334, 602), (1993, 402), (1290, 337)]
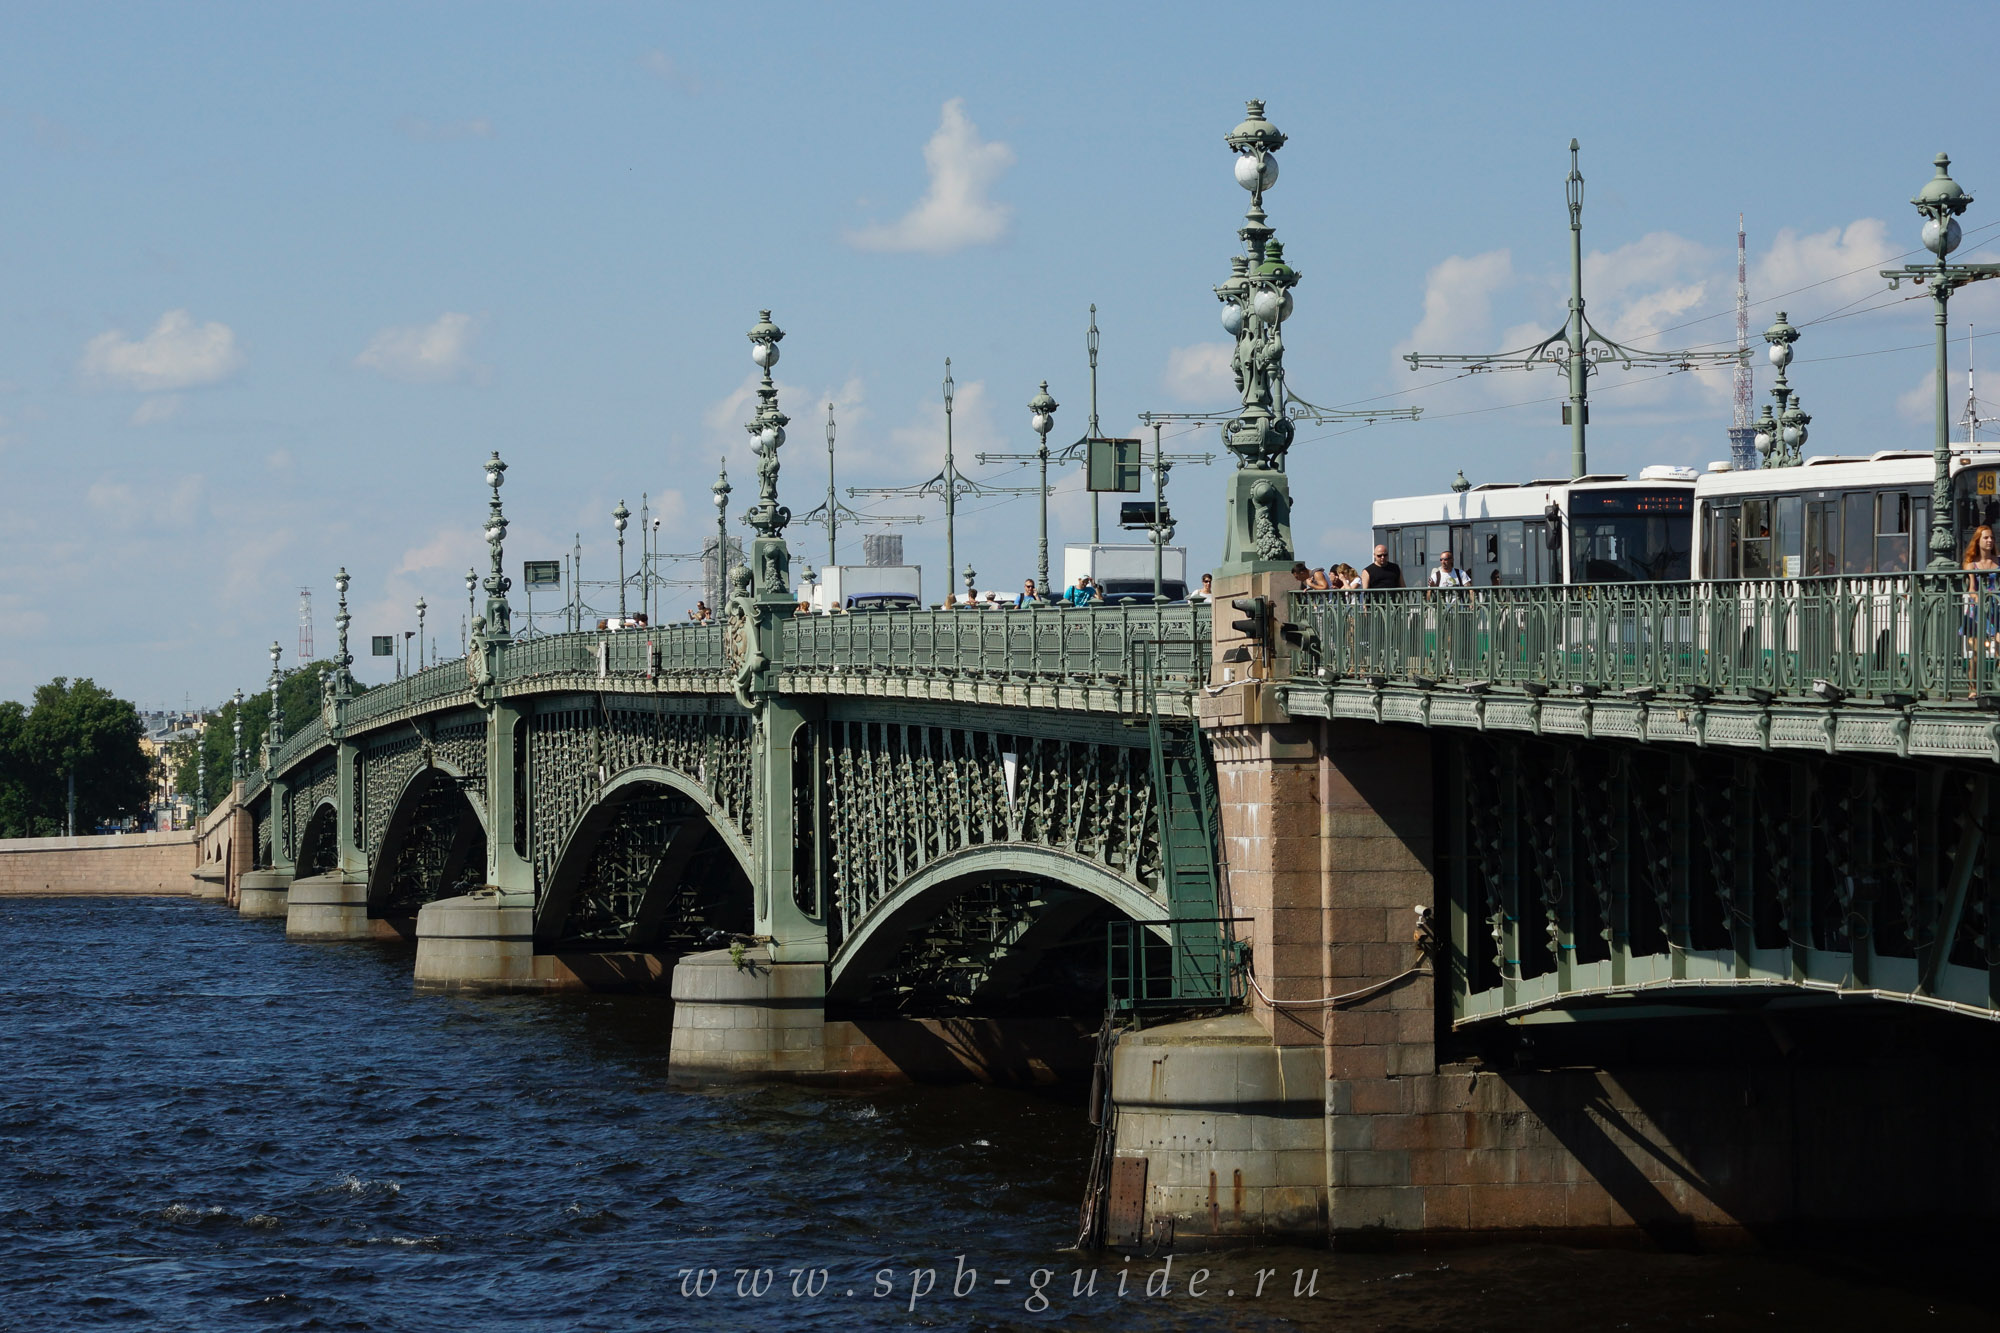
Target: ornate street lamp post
[(721, 590), (619, 517), (1041, 420), (471, 587), (1257, 299), (769, 559), (421, 608), (236, 756), (499, 615), (1781, 436), (1941, 202), (275, 737), (343, 665), (970, 580)]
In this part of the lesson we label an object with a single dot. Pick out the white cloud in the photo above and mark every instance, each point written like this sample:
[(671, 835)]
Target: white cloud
[(441, 131), (423, 353), (164, 407), (177, 354), (1919, 402), (955, 212), (1458, 303), (450, 549), (1847, 256), (1201, 373)]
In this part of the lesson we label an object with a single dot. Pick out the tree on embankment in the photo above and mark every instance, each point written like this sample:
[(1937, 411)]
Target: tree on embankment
[(73, 732)]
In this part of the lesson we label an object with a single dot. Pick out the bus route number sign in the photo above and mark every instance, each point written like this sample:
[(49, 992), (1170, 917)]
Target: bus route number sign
[(1983, 484)]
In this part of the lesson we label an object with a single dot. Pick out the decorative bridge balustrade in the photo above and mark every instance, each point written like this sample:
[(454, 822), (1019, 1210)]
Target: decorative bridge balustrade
[(1097, 646), (1902, 663)]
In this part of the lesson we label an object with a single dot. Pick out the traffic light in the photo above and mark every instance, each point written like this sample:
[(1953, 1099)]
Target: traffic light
[(1254, 625)]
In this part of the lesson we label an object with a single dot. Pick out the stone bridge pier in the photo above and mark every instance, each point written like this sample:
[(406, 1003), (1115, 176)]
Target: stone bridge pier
[(1668, 1067)]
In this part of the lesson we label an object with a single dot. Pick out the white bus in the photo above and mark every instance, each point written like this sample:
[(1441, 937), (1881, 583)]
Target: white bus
[(1838, 514), (1596, 529)]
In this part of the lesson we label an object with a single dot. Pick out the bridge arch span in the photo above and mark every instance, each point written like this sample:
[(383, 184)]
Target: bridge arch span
[(433, 844), (652, 861), (319, 841), (1079, 888)]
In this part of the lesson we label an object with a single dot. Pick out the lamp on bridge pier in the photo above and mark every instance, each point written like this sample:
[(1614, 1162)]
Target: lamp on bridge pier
[(471, 588), (769, 559), (499, 615), (721, 590), (1781, 436), (619, 517), (421, 609), (1257, 300), (1941, 202), (236, 742), (275, 737), (970, 578), (343, 673)]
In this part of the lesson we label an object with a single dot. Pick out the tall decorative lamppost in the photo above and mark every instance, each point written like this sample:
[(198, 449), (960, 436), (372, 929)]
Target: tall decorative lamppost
[(721, 590), (1259, 535), (275, 736), (1041, 420), (237, 759), (619, 517), (343, 664), (200, 782), (499, 615), (1941, 202), (421, 609), (471, 587), (769, 559), (1781, 435)]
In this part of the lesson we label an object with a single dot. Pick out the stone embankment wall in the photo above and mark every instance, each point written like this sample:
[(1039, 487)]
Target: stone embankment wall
[(114, 865)]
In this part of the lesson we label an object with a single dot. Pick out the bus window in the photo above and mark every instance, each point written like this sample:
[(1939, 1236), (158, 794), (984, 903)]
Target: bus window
[(1857, 533), (1538, 565), (1787, 557), (1413, 553), (1756, 539), (1461, 547), (1511, 568), (1724, 556), (1822, 538), (1892, 532)]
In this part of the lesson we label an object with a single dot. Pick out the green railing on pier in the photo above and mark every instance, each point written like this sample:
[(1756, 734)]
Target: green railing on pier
[(1091, 645), (1897, 637), (307, 738), (1180, 963)]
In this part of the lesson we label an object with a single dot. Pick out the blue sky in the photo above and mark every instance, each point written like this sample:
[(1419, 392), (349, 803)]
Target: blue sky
[(278, 278)]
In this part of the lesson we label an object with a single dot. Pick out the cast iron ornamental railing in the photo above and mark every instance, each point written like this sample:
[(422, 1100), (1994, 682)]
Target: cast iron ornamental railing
[(1096, 645), (1090, 646), (1900, 638)]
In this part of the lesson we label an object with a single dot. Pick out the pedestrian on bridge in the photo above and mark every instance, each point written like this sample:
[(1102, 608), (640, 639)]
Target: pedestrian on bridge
[(1382, 573)]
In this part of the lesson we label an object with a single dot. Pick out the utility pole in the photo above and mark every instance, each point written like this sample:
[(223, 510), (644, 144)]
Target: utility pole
[(830, 510), (1577, 346), (947, 484)]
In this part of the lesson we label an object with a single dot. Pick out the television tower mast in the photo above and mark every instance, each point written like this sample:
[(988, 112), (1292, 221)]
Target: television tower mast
[(305, 625), (1742, 435)]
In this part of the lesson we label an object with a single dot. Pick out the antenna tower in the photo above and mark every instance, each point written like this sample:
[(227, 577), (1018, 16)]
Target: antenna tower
[(1972, 418), (305, 625), (1742, 436)]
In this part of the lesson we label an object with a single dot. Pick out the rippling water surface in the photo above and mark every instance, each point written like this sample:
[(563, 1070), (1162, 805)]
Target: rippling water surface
[(203, 1126)]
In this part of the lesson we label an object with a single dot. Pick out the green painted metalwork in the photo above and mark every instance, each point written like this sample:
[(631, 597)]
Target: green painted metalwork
[(1941, 203), (1894, 640), (1179, 963), (1592, 875), (1095, 646)]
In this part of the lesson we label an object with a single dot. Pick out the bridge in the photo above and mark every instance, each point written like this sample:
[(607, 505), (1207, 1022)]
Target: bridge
[(1547, 910)]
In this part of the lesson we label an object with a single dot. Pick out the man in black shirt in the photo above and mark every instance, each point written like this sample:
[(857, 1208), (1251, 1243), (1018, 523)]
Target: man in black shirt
[(1383, 572)]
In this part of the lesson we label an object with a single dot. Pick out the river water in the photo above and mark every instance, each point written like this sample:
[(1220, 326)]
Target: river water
[(203, 1126)]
